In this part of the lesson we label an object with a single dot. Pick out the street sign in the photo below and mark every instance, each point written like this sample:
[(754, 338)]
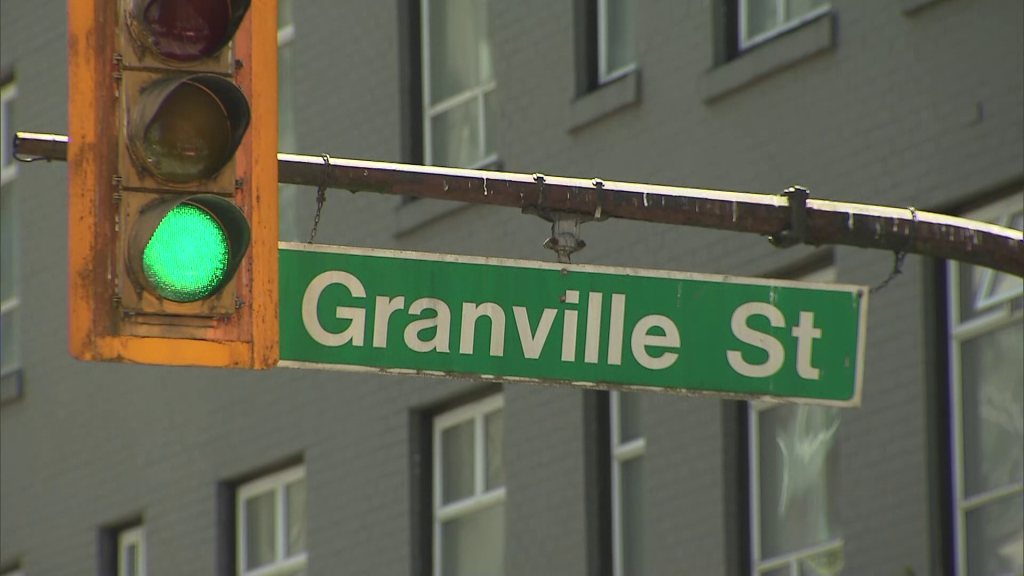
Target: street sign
[(451, 316)]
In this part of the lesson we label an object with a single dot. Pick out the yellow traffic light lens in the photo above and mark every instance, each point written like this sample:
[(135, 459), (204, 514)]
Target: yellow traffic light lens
[(186, 30), (186, 259), (189, 136)]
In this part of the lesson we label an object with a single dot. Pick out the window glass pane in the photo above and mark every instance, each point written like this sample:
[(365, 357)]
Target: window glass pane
[(630, 417), (778, 572), (8, 244), (995, 537), (10, 347), (259, 530), (993, 409), (491, 122), (621, 31), (457, 457), (761, 15), (494, 429), (983, 288), (799, 477), (455, 136), (131, 560), (826, 563), (7, 133), (460, 52), (295, 501), (474, 545), (633, 558), (796, 9)]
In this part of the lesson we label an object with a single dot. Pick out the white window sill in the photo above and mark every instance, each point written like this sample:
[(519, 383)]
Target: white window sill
[(810, 38), (605, 99)]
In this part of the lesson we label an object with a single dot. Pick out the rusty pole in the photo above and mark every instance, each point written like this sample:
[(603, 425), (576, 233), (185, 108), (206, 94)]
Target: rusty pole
[(788, 219)]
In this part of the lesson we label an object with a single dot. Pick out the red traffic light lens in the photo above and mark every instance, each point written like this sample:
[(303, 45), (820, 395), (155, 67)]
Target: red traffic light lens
[(186, 30), (189, 135)]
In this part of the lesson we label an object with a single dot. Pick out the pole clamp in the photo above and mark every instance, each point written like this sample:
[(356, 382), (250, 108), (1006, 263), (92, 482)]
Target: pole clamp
[(796, 233)]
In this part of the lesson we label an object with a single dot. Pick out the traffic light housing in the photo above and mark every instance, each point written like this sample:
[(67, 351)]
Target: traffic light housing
[(173, 182)]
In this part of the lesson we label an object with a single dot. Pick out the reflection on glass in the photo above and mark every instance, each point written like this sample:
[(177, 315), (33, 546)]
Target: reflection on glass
[(799, 475), (995, 537), (295, 502), (494, 430), (621, 30), (457, 462), (633, 558), (993, 409), (474, 545), (762, 16), (455, 135), (259, 530), (460, 52), (490, 122), (827, 563)]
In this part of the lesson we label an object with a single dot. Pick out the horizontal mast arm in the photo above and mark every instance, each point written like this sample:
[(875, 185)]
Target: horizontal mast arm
[(810, 221)]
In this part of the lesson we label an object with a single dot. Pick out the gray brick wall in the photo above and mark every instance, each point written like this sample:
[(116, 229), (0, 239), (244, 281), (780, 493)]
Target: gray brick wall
[(924, 108)]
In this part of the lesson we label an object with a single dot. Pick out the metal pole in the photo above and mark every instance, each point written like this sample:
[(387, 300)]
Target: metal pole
[(806, 221)]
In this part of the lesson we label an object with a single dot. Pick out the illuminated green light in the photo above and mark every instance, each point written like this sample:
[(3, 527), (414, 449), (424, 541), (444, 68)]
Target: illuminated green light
[(186, 259)]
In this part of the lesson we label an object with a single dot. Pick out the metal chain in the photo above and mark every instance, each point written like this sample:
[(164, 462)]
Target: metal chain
[(321, 196), (899, 255)]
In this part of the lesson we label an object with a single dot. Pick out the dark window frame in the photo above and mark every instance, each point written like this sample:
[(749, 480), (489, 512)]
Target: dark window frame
[(421, 474), (227, 510)]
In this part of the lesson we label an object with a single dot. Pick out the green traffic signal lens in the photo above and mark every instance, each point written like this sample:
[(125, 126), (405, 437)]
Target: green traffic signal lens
[(186, 258), (189, 136)]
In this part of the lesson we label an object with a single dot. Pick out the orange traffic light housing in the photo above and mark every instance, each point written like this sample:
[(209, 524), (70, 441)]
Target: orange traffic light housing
[(172, 159)]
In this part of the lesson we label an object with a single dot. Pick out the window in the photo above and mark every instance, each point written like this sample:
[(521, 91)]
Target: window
[(760, 20), (10, 293), (616, 39), (986, 337), (131, 552), (627, 448), (271, 524), (794, 467), (469, 490), (459, 88)]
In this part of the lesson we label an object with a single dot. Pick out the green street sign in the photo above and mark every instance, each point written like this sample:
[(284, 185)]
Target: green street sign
[(578, 325)]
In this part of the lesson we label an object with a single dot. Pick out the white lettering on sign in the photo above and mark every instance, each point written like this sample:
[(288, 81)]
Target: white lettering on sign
[(804, 332), (355, 331), (441, 322), (569, 327), (642, 338), (382, 313), (432, 333), (533, 342), (471, 312), (616, 326)]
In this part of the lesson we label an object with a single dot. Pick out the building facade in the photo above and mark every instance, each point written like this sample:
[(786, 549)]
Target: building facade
[(122, 469)]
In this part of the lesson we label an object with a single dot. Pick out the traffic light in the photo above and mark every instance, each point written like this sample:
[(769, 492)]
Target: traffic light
[(173, 181)]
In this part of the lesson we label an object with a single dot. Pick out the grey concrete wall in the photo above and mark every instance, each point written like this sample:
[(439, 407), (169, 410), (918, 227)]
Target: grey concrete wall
[(922, 109)]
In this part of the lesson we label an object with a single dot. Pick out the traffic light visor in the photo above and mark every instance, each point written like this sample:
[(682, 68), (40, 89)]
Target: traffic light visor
[(187, 30), (186, 250), (187, 129)]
